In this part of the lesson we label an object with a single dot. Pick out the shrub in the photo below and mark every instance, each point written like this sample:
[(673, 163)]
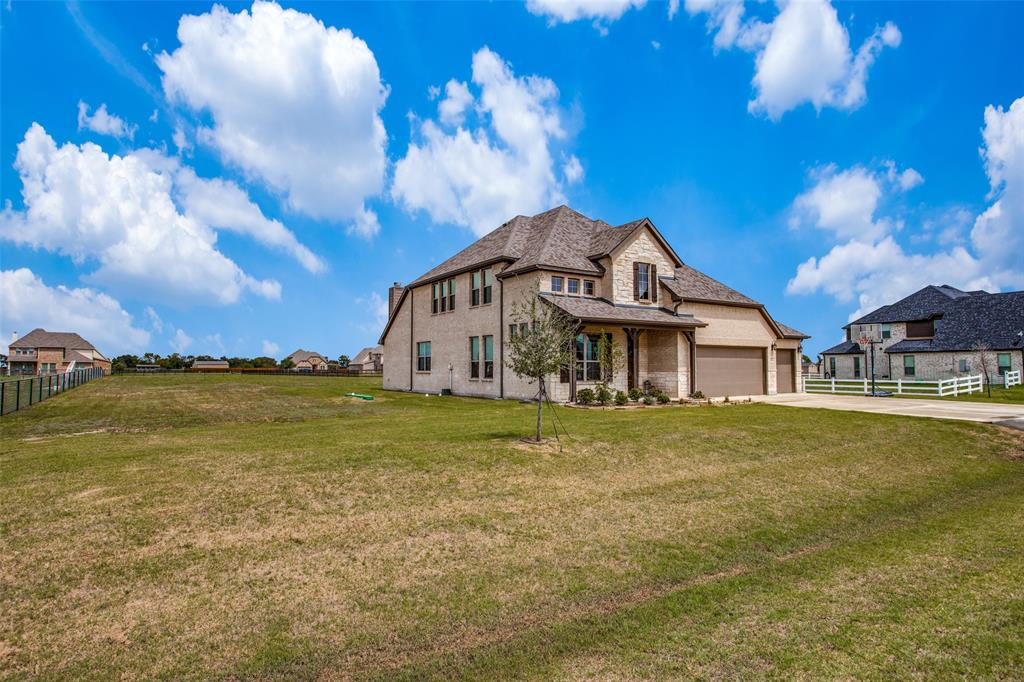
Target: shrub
[(603, 394), (648, 400), (663, 398), (585, 396), (621, 398), (697, 395), (635, 394), (726, 399)]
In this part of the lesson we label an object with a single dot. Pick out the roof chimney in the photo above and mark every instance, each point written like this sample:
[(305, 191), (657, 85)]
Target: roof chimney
[(394, 293)]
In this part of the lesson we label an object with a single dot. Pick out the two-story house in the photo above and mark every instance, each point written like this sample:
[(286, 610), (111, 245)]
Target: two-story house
[(935, 333), (43, 352), (369, 360), (680, 330)]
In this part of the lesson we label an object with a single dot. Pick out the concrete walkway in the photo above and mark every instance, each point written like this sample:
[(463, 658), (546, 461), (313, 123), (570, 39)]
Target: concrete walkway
[(913, 407)]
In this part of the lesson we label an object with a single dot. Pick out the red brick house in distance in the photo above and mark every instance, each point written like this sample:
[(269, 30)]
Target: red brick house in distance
[(43, 352)]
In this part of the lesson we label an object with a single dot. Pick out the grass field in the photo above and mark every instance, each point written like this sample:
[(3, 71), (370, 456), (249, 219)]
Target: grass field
[(268, 527)]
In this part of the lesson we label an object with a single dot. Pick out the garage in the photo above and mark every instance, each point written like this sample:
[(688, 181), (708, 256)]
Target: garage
[(785, 365), (730, 370)]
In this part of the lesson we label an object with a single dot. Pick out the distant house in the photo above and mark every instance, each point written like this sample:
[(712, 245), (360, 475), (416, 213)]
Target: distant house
[(308, 361), (368, 361), (43, 352), (934, 334), (216, 365)]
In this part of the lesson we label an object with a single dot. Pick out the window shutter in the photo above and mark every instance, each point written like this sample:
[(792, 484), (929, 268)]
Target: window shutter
[(636, 281), (654, 283)]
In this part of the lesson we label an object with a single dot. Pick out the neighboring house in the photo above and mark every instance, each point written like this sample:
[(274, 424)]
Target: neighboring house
[(679, 329), (43, 352), (217, 365), (808, 368), (368, 360), (934, 334), (305, 360)]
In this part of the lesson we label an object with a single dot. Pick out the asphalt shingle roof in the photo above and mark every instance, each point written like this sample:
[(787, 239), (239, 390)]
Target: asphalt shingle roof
[(995, 320), (844, 348), (40, 338), (694, 285), (790, 332), (920, 305), (600, 310), (300, 355)]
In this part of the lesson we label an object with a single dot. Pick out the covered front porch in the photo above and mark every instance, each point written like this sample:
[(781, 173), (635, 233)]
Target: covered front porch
[(656, 348)]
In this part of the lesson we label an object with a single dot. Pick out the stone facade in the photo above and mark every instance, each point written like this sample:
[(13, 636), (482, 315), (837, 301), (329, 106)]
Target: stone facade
[(943, 365)]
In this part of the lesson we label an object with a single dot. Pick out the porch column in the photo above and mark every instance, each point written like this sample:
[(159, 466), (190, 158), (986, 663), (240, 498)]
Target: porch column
[(633, 355), (691, 340)]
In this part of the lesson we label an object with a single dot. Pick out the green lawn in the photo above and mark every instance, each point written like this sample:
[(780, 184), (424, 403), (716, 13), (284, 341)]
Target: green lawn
[(1013, 395), (268, 527)]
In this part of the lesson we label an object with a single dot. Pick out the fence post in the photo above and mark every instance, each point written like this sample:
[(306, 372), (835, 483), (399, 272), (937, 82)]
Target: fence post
[(956, 386), (833, 384), (865, 385)]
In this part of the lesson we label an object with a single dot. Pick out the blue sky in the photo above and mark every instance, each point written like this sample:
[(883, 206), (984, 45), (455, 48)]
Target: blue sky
[(257, 179)]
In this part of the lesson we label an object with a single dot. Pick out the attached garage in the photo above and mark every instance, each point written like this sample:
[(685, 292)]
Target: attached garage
[(785, 371), (730, 370)]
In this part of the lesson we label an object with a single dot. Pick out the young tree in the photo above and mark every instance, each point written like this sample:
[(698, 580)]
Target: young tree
[(610, 358), (544, 349), (985, 360), (343, 360), (287, 363)]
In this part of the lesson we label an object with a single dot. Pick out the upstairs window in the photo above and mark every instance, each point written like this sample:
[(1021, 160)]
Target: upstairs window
[(574, 286), (488, 281), (645, 276), (443, 292), (588, 287), (437, 297), (557, 284), (909, 368), (423, 356), (1004, 363), (522, 328), (474, 284), (451, 294), (886, 331)]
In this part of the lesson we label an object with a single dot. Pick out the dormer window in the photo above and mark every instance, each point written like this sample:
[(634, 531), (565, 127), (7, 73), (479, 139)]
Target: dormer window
[(645, 277)]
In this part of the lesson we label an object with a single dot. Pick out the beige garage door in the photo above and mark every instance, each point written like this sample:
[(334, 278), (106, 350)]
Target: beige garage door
[(784, 363), (727, 370)]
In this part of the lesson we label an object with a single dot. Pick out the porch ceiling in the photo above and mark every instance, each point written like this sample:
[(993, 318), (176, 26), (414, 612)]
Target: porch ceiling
[(600, 310)]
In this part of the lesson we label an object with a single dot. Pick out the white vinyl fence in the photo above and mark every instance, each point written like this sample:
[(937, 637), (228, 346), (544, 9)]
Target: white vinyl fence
[(1011, 379), (955, 386)]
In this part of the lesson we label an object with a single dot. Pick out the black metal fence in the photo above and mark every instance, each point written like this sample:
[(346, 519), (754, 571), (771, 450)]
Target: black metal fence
[(272, 371), (17, 394)]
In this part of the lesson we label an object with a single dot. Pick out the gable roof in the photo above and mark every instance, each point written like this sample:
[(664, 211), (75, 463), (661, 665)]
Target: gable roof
[(924, 304), (995, 320), (300, 355), (40, 338), (791, 333), (560, 239), (364, 355), (844, 348)]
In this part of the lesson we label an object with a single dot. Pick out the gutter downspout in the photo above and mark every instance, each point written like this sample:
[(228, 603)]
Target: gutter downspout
[(412, 343), (501, 336)]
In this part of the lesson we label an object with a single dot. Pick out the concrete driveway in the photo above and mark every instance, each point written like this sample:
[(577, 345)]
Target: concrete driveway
[(1010, 415)]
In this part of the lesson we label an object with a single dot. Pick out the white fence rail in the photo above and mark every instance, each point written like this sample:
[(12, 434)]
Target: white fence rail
[(1011, 379), (946, 387)]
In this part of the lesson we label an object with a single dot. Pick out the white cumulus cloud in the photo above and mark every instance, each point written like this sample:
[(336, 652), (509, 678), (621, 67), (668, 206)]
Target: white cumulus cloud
[(601, 12), (802, 55), (27, 303), (103, 122), (870, 268), (478, 176), (180, 342), (293, 103), (377, 310), (270, 349), (119, 212)]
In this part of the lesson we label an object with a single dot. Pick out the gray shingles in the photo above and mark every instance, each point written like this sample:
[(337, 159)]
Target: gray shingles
[(920, 305), (996, 320)]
